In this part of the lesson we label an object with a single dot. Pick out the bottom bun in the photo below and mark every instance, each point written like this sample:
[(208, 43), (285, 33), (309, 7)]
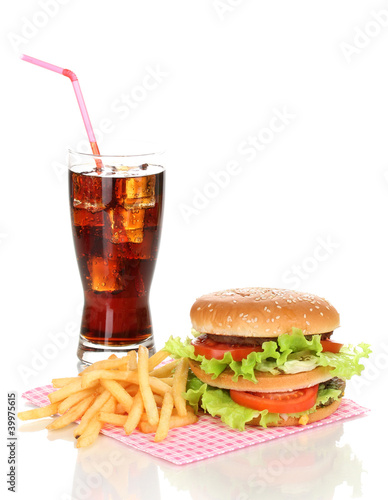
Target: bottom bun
[(319, 414)]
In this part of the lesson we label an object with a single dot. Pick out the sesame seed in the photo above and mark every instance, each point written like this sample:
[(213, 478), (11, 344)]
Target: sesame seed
[(198, 308), (241, 315), (265, 308), (321, 314), (311, 309), (267, 320), (316, 307), (279, 307), (210, 310), (209, 305), (277, 317), (304, 316), (308, 323), (267, 329)]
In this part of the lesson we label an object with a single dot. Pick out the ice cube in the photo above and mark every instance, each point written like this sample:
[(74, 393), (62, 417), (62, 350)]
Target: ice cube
[(137, 192), (104, 275), (87, 192), (82, 217), (126, 225)]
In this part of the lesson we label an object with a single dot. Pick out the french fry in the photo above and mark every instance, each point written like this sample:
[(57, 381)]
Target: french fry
[(66, 391), (132, 361), (175, 421), (156, 384), (98, 403), (179, 386), (90, 378), (107, 364), (156, 359), (44, 411), (110, 405), (71, 415), (119, 393), (74, 399), (132, 421), (132, 389), (144, 386), (144, 416), (92, 430), (164, 419), (90, 434), (62, 382), (129, 392), (167, 380), (158, 399), (120, 410), (112, 418), (165, 370)]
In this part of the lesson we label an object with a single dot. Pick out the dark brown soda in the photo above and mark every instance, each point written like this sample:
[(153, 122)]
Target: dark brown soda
[(116, 228)]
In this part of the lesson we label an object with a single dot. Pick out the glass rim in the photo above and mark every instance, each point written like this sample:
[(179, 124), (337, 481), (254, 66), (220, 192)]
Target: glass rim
[(132, 155)]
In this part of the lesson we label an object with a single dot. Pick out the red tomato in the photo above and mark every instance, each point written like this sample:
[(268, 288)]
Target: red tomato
[(330, 346), (277, 402), (211, 349)]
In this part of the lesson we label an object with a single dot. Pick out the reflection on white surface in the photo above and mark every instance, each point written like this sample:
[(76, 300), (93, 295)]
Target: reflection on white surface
[(309, 465), (109, 470)]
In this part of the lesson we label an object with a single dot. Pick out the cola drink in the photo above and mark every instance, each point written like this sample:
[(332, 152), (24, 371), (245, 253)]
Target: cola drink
[(116, 219)]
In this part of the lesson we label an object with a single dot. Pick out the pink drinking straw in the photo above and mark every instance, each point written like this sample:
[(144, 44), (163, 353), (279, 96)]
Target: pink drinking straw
[(79, 96)]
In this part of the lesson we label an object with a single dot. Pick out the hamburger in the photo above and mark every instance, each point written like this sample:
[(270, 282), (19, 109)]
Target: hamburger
[(266, 356)]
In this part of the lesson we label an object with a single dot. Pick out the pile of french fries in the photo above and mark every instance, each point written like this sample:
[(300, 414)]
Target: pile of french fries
[(130, 392)]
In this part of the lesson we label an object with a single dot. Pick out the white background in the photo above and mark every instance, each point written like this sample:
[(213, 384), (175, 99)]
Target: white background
[(307, 210)]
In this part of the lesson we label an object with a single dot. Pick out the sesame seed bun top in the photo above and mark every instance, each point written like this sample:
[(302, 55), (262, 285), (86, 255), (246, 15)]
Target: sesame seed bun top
[(262, 312)]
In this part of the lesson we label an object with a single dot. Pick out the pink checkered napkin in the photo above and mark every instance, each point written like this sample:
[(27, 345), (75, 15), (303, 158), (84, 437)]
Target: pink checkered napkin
[(207, 438)]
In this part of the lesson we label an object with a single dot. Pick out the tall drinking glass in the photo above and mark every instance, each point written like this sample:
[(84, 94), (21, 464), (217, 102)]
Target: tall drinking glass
[(116, 209)]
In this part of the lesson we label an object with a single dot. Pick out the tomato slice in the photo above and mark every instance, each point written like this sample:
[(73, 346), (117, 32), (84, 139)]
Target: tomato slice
[(330, 346), (207, 347), (277, 402)]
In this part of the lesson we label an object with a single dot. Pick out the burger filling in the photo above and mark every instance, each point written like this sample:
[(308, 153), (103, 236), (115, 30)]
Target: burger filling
[(252, 341), (287, 354), (235, 412), (335, 383)]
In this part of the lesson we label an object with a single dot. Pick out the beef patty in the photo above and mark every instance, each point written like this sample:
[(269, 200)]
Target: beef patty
[(253, 341)]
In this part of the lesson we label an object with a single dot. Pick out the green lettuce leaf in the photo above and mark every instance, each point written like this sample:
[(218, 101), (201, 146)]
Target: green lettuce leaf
[(194, 391), (347, 362), (292, 353), (217, 402)]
